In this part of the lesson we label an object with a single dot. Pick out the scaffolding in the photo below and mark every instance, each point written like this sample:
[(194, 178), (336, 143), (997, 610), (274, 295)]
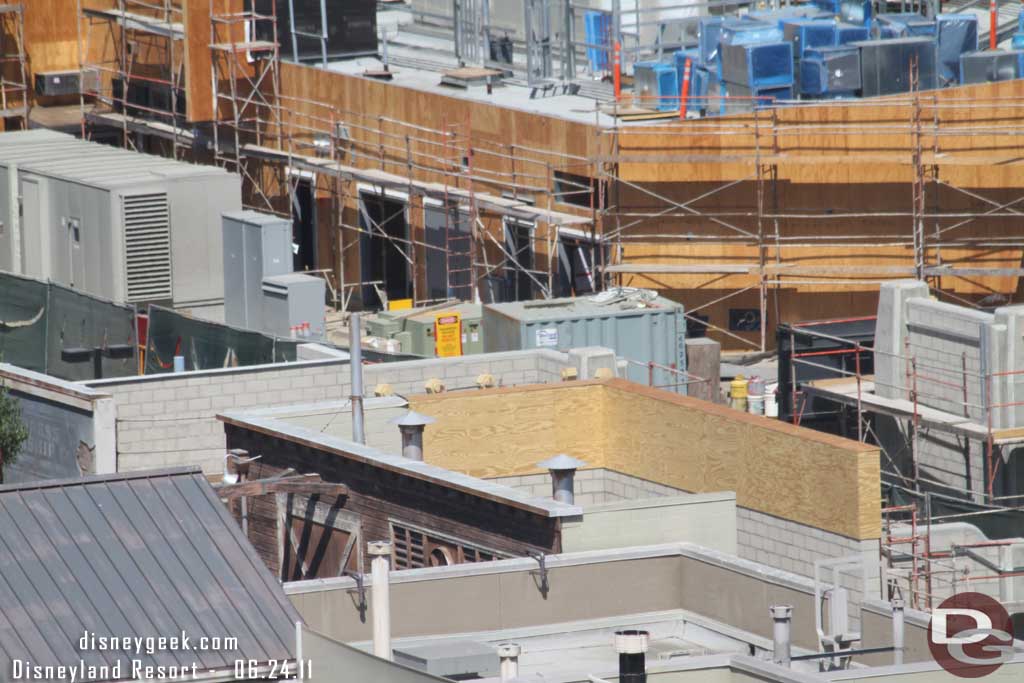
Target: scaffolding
[(132, 71), (14, 98), (765, 140)]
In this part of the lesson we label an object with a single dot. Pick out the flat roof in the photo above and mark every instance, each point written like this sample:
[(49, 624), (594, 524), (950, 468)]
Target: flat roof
[(59, 155), (585, 306), (277, 423)]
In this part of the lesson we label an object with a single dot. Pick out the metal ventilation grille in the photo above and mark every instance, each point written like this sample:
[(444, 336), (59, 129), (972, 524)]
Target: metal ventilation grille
[(147, 247)]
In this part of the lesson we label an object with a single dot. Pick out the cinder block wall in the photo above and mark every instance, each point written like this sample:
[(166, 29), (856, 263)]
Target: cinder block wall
[(169, 420)]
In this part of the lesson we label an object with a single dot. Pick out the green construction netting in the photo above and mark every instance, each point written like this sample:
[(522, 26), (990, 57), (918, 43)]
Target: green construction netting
[(207, 345), (55, 330)]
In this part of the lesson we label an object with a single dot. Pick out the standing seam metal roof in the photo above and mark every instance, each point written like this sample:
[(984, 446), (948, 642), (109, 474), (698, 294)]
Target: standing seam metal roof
[(63, 156), (151, 554)]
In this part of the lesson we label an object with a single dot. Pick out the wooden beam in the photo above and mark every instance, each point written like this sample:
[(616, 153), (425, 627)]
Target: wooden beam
[(309, 484)]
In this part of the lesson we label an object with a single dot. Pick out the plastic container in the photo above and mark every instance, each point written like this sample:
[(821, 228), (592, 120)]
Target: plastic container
[(738, 393)]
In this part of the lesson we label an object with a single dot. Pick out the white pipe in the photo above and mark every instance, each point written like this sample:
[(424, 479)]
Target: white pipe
[(781, 643), (380, 600), (897, 631), (300, 665), (508, 654), (14, 218), (356, 365)]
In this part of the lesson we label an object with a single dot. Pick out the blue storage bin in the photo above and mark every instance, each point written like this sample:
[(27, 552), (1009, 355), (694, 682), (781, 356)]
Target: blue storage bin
[(763, 65), (906, 24), (807, 33), (598, 28), (848, 33), (680, 61), (709, 34), (700, 79), (955, 35), (767, 96)]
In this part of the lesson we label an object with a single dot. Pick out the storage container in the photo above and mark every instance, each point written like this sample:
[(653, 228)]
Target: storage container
[(832, 70), (637, 324), (956, 34), (885, 65), (764, 65)]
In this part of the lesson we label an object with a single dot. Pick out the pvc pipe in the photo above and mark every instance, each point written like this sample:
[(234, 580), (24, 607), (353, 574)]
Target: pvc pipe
[(781, 643), (508, 655), (380, 568), (897, 631), (355, 349), (684, 93)]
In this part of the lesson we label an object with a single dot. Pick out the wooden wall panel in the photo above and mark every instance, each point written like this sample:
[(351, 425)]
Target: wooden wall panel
[(790, 472)]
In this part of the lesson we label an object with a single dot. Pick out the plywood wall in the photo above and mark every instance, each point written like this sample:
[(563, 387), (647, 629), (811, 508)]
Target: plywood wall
[(790, 472)]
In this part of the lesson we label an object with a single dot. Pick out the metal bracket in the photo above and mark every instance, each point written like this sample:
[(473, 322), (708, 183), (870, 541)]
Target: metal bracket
[(360, 591), (541, 574)]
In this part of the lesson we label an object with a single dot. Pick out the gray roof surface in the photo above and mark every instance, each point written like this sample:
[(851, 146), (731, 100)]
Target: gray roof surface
[(59, 155), (579, 307), (150, 554)]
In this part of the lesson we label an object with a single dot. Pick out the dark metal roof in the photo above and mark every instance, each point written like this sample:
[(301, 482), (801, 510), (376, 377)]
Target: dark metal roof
[(149, 554)]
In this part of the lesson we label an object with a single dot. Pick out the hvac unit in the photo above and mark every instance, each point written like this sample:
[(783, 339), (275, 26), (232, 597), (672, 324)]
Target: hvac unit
[(760, 66), (758, 97), (58, 83), (293, 301), (121, 225), (656, 85), (746, 32), (988, 66), (956, 34), (830, 71), (804, 34), (849, 33), (598, 30), (885, 65), (256, 246), (637, 324)]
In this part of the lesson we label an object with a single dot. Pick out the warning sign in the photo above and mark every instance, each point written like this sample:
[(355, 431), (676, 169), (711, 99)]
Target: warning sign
[(448, 335)]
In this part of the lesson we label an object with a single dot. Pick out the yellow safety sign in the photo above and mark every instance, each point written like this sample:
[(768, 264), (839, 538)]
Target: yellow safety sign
[(448, 335)]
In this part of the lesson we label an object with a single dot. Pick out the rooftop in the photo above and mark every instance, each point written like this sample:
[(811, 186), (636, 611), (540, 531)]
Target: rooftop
[(91, 163), (148, 554)]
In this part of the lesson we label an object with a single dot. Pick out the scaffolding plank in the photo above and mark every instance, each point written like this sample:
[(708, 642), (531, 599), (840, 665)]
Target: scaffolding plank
[(139, 22), (673, 268), (499, 205)]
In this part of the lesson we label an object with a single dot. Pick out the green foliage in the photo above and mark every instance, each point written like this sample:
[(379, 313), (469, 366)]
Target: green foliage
[(12, 430)]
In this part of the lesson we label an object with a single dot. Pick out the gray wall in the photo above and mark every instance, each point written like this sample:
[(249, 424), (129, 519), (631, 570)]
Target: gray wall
[(707, 519), (170, 419), (594, 486)]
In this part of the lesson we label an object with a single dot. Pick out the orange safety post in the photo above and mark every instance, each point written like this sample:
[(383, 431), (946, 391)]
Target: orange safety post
[(993, 12), (684, 92), (617, 66)]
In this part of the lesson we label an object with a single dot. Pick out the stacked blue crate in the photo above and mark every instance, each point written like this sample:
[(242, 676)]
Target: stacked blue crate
[(1018, 38), (849, 33), (657, 84), (956, 34), (745, 32), (830, 72), (906, 24), (709, 35), (808, 33), (597, 28)]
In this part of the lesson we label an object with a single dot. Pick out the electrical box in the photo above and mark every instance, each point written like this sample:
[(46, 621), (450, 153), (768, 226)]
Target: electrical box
[(256, 246), (291, 302), (414, 328)]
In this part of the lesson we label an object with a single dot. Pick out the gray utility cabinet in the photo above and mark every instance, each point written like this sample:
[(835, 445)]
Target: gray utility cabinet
[(294, 299), (116, 224), (256, 246), (637, 329)]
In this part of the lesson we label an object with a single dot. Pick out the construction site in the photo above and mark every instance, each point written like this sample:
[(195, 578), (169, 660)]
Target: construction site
[(754, 267)]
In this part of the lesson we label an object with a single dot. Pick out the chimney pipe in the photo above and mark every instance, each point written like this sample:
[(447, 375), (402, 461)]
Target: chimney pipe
[(781, 647), (380, 597), (631, 646), (411, 425), (355, 348), (563, 472), (897, 630), (508, 654)]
